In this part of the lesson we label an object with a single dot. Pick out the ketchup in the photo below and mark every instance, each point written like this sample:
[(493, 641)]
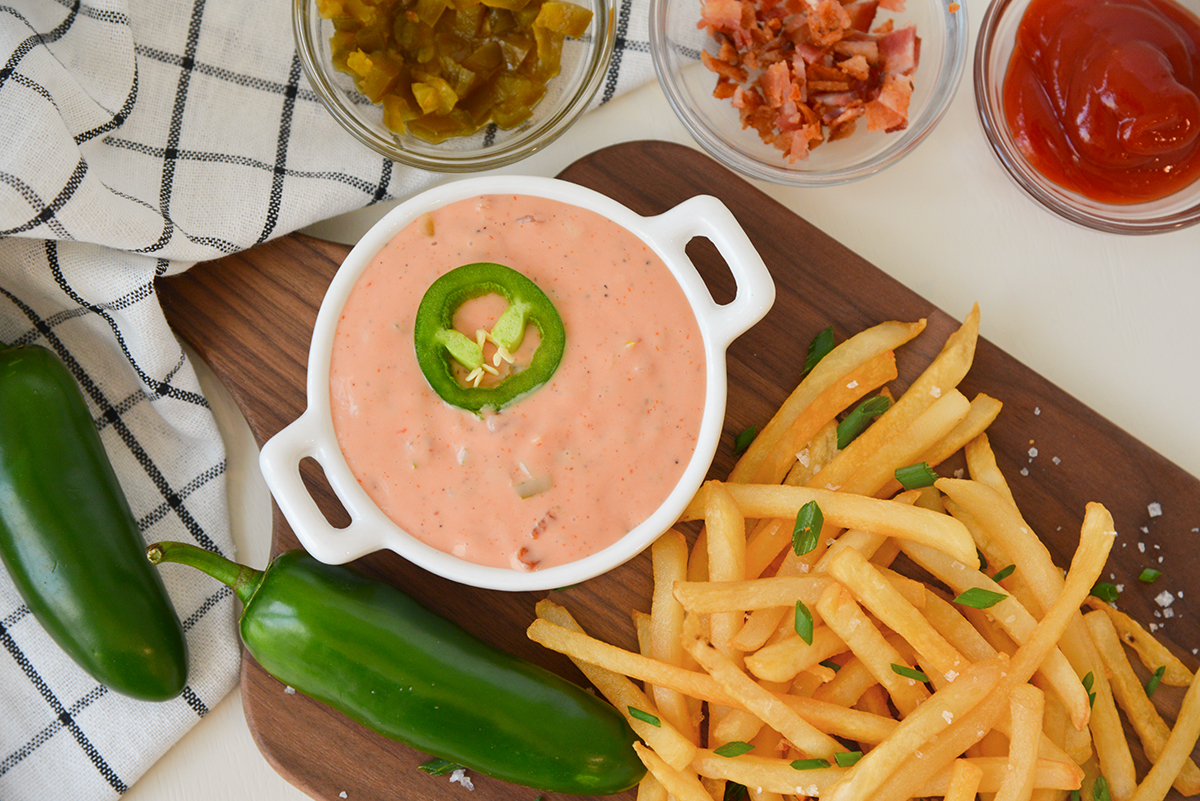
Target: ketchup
[(1101, 96)]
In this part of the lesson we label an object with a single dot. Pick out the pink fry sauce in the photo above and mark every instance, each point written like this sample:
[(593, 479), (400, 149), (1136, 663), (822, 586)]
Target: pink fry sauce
[(572, 467)]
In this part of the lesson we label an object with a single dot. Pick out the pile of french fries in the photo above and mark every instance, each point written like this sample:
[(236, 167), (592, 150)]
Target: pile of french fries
[(783, 654)]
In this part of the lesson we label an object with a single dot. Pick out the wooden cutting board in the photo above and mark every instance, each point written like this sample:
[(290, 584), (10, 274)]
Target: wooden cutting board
[(250, 316)]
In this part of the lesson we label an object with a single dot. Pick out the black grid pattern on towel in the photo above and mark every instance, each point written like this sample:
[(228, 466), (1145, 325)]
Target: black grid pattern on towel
[(139, 160)]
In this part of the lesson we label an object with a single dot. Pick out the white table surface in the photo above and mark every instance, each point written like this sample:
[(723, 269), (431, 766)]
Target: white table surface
[(1111, 319)]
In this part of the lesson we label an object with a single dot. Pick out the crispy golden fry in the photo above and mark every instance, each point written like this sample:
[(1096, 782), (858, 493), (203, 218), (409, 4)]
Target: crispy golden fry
[(881, 598), (779, 456), (844, 510), (1013, 618), (965, 777), (842, 614), (1152, 653), (908, 446), (845, 358), (651, 789), (1177, 749), (981, 464), (779, 776), (984, 410), (1151, 729), (943, 374), (784, 659), (706, 597), (781, 717), (726, 530), (1025, 729), (675, 748), (678, 784), (922, 724), (669, 558)]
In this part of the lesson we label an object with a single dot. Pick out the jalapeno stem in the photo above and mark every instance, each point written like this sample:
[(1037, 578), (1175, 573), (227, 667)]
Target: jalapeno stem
[(241, 579)]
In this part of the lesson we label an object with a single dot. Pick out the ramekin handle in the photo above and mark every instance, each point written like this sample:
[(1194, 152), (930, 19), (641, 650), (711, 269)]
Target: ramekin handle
[(280, 463), (704, 215)]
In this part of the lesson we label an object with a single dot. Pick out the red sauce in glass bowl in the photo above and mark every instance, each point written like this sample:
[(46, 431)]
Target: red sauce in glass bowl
[(1102, 96)]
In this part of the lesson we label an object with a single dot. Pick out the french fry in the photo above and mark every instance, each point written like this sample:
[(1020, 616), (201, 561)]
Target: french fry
[(1152, 653), (1151, 729), (678, 784), (843, 359), (669, 559), (1010, 615), (922, 724), (1025, 729), (943, 373), (651, 789), (781, 717), (1177, 749), (965, 777), (784, 659), (981, 465), (848, 685), (726, 530), (893, 610), (907, 446), (984, 410), (675, 748), (844, 510), (844, 616)]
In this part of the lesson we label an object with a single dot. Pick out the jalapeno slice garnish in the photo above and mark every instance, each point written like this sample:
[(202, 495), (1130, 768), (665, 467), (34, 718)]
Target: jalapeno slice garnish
[(438, 344)]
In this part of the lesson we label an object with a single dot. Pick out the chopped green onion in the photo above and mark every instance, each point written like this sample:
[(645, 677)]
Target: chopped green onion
[(909, 673), (1149, 575), (916, 476), (804, 622), (1087, 682), (1100, 790), (645, 717), (829, 663), (857, 421), (1105, 592), (733, 748), (979, 598), (439, 767), (1004, 573), (810, 764), (982, 559), (818, 349), (807, 530), (735, 792), (846, 759), (1152, 684), (743, 440)]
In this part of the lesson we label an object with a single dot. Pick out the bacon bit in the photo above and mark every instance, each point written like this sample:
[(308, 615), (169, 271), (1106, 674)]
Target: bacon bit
[(523, 558), (801, 72)]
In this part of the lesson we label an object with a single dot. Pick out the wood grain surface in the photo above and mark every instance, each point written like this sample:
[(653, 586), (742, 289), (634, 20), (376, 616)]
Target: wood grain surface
[(250, 317)]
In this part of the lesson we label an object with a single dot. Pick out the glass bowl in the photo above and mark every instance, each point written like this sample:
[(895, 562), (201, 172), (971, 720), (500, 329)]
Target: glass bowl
[(584, 64), (993, 50), (676, 43)]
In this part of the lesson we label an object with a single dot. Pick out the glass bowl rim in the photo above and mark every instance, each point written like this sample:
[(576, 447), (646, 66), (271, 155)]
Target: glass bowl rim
[(601, 50), (1068, 205), (957, 39)]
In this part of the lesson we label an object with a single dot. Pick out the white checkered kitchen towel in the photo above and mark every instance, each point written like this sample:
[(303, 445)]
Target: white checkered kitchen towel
[(138, 137)]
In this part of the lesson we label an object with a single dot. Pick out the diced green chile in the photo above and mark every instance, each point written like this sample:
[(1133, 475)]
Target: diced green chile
[(69, 540), (438, 345), (374, 654)]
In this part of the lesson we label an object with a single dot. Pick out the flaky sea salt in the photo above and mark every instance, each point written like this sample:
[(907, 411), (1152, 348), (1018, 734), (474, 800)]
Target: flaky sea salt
[(289, 690), (1033, 452), (1155, 509), (462, 778), (342, 794), (947, 716), (1164, 598)]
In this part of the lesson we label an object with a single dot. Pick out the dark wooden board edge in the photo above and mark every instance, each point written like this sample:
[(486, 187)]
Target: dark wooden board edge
[(250, 317)]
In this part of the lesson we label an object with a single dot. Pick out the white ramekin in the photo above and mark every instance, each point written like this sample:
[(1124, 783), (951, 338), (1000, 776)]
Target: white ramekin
[(312, 434)]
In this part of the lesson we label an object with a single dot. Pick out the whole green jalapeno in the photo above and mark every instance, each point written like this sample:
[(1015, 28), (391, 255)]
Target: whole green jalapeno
[(373, 653), (68, 538)]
